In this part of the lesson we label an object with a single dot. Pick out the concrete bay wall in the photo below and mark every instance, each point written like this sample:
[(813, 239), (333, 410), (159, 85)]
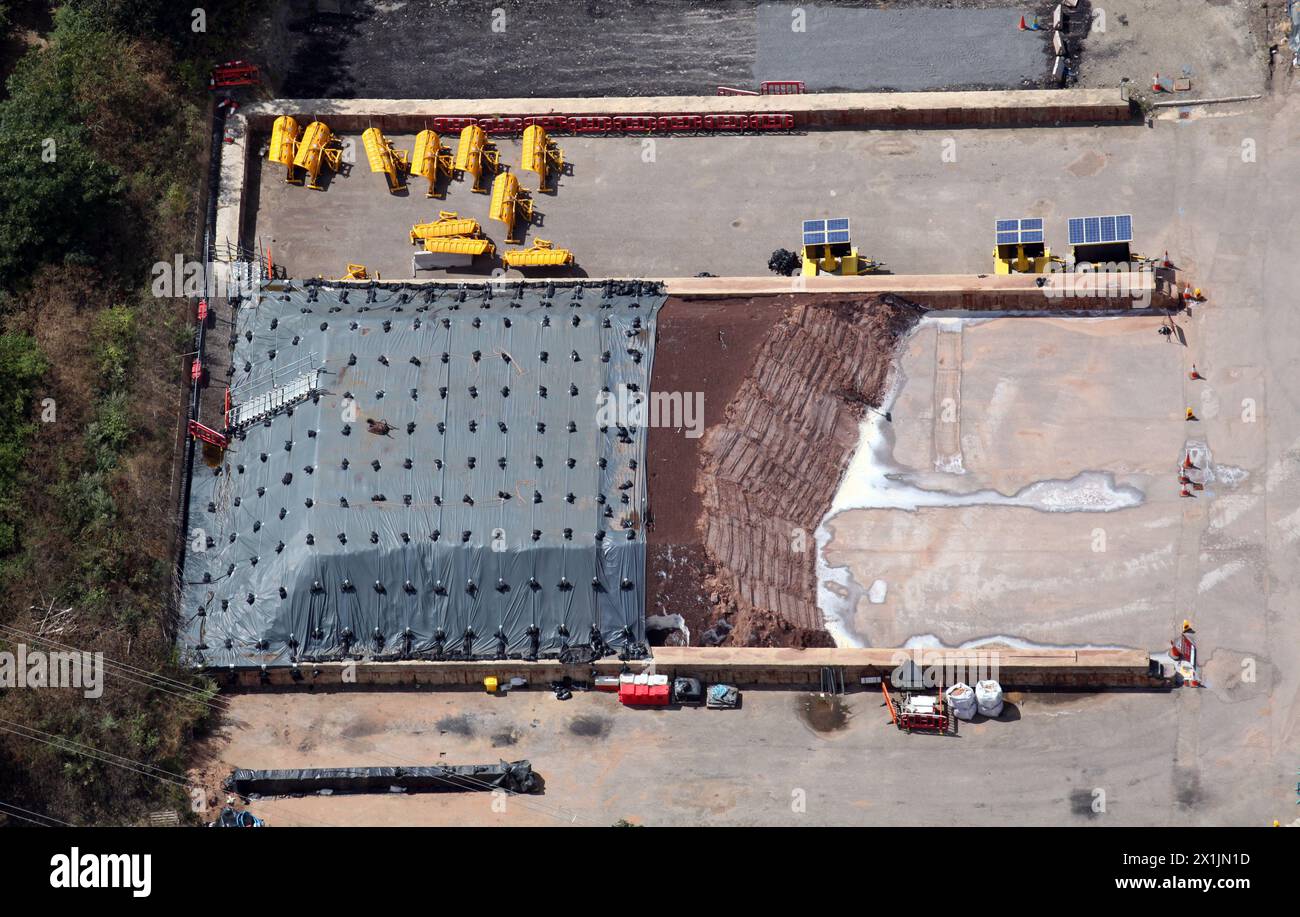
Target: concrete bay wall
[(744, 666)]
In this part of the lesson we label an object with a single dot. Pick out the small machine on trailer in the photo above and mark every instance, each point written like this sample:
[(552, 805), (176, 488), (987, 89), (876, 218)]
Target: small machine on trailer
[(925, 712)]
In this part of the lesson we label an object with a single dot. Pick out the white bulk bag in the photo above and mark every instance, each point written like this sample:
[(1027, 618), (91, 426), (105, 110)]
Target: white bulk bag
[(988, 697)]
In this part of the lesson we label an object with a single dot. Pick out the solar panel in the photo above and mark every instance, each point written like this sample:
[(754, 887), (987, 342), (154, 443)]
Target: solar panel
[(1101, 230), (821, 232), (1015, 232)]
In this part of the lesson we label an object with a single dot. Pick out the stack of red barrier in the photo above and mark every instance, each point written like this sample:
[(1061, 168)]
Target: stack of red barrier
[(623, 124)]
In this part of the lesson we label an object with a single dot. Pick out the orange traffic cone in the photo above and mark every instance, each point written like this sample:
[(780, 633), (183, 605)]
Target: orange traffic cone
[(1184, 479), (1197, 485), (1167, 262), (1184, 492), (1155, 84), (1023, 27), (1194, 375), (1187, 461)]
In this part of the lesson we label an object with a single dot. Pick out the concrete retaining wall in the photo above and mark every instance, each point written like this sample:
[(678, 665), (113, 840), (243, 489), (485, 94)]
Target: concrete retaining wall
[(1017, 108), (748, 667), (954, 292)]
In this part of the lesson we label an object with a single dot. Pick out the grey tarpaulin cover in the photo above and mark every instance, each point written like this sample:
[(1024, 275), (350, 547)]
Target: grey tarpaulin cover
[(422, 471)]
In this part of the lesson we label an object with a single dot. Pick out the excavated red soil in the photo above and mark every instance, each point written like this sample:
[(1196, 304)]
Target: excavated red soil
[(785, 382)]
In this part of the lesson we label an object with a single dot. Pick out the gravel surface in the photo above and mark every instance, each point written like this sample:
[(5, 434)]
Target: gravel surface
[(900, 49)]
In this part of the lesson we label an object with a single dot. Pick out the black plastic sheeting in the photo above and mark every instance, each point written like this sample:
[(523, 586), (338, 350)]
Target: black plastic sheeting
[(451, 490), (511, 776)]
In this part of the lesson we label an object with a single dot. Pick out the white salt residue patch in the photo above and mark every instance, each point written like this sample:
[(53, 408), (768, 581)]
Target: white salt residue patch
[(1230, 475), (1219, 574), (874, 482), (1290, 526), (931, 642), (950, 464), (876, 594)]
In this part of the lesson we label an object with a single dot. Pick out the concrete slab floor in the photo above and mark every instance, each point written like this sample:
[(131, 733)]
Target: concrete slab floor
[(1043, 762), (1033, 400), (921, 201)]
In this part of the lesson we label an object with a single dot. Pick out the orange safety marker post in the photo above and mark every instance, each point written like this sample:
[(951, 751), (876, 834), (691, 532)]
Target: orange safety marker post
[(893, 714)]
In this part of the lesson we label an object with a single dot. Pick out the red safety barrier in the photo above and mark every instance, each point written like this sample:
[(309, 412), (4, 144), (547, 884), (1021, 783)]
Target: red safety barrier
[(781, 87), (589, 124), (725, 122), (551, 123), (771, 122), (445, 125), (635, 124), (502, 125), (203, 311), (680, 123), (234, 73), (196, 371), (207, 434)]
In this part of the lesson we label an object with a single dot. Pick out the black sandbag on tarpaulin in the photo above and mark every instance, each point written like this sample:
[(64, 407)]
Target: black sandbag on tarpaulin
[(513, 777)]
